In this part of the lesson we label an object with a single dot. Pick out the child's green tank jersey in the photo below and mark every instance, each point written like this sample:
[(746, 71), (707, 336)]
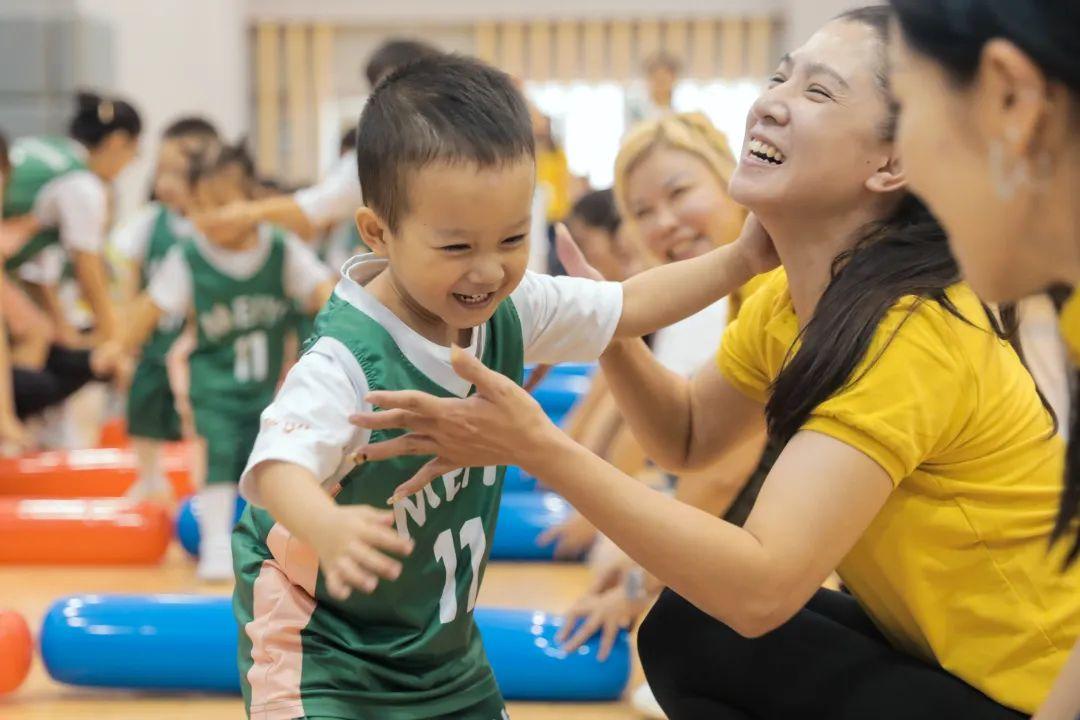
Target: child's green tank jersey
[(411, 646), (241, 326), (36, 162)]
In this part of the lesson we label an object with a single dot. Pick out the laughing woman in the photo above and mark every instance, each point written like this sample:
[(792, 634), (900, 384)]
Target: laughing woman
[(919, 461)]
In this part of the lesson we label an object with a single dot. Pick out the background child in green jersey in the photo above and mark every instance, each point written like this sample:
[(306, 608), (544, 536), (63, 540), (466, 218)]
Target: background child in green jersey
[(445, 157), (143, 242), (59, 185), (238, 289)]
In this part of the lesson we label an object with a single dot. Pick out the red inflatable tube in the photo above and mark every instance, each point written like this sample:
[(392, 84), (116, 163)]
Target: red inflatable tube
[(96, 472), (86, 531)]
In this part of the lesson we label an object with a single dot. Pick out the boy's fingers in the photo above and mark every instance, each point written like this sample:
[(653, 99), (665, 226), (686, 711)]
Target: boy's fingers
[(387, 539), (355, 576), (335, 586), (374, 561)]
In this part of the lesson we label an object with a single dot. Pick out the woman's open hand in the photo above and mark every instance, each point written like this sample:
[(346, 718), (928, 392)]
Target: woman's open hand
[(500, 424)]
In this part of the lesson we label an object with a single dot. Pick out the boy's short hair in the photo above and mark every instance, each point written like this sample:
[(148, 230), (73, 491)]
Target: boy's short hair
[(450, 109), (395, 53)]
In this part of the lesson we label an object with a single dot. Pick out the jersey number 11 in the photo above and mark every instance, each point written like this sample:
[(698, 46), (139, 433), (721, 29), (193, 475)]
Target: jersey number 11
[(471, 536)]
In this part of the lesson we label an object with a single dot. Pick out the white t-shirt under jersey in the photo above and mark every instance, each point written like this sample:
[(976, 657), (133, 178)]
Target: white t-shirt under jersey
[(336, 197), (562, 320), (171, 287), (76, 204)]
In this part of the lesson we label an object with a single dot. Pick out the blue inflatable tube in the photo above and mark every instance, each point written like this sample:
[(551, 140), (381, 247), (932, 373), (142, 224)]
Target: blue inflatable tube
[(558, 394), (517, 480), (189, 643), (187, 523), (523, 516), (579, 369)]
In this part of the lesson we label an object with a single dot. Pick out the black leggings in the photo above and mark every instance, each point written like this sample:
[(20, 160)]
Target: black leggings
[(65, 372), (829, 661)]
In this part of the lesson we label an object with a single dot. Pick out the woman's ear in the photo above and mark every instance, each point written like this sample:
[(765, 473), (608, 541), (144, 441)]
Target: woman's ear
[(889, 177), (373, 231)]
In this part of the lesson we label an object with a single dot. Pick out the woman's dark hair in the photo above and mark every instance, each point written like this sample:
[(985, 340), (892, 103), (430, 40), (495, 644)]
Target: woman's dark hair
[(97, 117), (953, 33), (598, 209), (905, 254)]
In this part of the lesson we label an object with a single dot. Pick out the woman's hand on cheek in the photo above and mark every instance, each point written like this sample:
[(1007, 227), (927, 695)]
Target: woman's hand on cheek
[(500, 424)]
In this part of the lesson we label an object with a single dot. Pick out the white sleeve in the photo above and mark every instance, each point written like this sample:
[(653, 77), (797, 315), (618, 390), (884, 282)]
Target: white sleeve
[(80, 211), (46, 268), (565, 319), (304, 271), (132, 237), (336, 197), (308, 422), (170, 287)]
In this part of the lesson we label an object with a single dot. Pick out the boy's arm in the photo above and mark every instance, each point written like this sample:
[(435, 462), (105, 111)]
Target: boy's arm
[(667, 294), (300, 450)]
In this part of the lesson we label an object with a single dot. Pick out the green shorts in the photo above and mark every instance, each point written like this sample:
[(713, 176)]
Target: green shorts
[(491, 709), (151, 408), (229, 440)]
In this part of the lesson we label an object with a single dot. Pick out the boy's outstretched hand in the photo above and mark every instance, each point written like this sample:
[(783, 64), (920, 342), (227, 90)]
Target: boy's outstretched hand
[(353, 545)]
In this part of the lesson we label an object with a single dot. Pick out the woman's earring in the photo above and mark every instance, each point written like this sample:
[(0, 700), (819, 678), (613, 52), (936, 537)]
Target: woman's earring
[(1007, 176)]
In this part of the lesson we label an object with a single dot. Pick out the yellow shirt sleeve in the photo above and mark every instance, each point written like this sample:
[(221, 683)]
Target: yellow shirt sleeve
[(910, 395)]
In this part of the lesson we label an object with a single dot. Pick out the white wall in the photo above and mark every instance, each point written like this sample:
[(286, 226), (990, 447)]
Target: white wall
[(174, 57), (804, 17)]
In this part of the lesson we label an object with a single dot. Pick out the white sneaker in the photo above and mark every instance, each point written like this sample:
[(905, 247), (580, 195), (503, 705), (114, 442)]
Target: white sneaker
[(215, 560), (645, 703)]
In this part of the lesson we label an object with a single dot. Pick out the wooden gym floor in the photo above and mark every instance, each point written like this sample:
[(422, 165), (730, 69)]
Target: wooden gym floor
[(30, 590)]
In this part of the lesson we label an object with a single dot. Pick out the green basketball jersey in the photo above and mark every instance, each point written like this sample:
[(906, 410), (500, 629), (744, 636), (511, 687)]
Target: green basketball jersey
[(35, 162), (163, 235), (410, 649), (241, 326)]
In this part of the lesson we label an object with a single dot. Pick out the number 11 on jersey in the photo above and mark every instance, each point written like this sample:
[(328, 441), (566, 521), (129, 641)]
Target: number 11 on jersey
[(471, 536)]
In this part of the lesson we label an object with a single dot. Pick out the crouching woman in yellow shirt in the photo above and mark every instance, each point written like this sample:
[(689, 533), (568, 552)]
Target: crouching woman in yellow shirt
[(920, 462)]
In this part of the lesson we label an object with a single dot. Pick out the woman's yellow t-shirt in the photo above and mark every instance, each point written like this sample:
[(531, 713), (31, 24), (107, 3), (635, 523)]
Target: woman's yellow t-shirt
[(1069, 322), (955, 569)]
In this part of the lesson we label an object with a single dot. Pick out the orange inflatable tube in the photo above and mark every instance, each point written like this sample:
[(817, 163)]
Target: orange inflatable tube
[(95, 472), (86, 531)]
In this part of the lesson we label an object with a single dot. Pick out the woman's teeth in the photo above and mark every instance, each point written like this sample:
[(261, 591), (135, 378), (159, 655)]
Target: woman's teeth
[(765, 151), (473, 299)]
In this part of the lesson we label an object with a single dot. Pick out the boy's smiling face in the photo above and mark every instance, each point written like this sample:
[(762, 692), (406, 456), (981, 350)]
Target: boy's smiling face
[(460, 248)]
